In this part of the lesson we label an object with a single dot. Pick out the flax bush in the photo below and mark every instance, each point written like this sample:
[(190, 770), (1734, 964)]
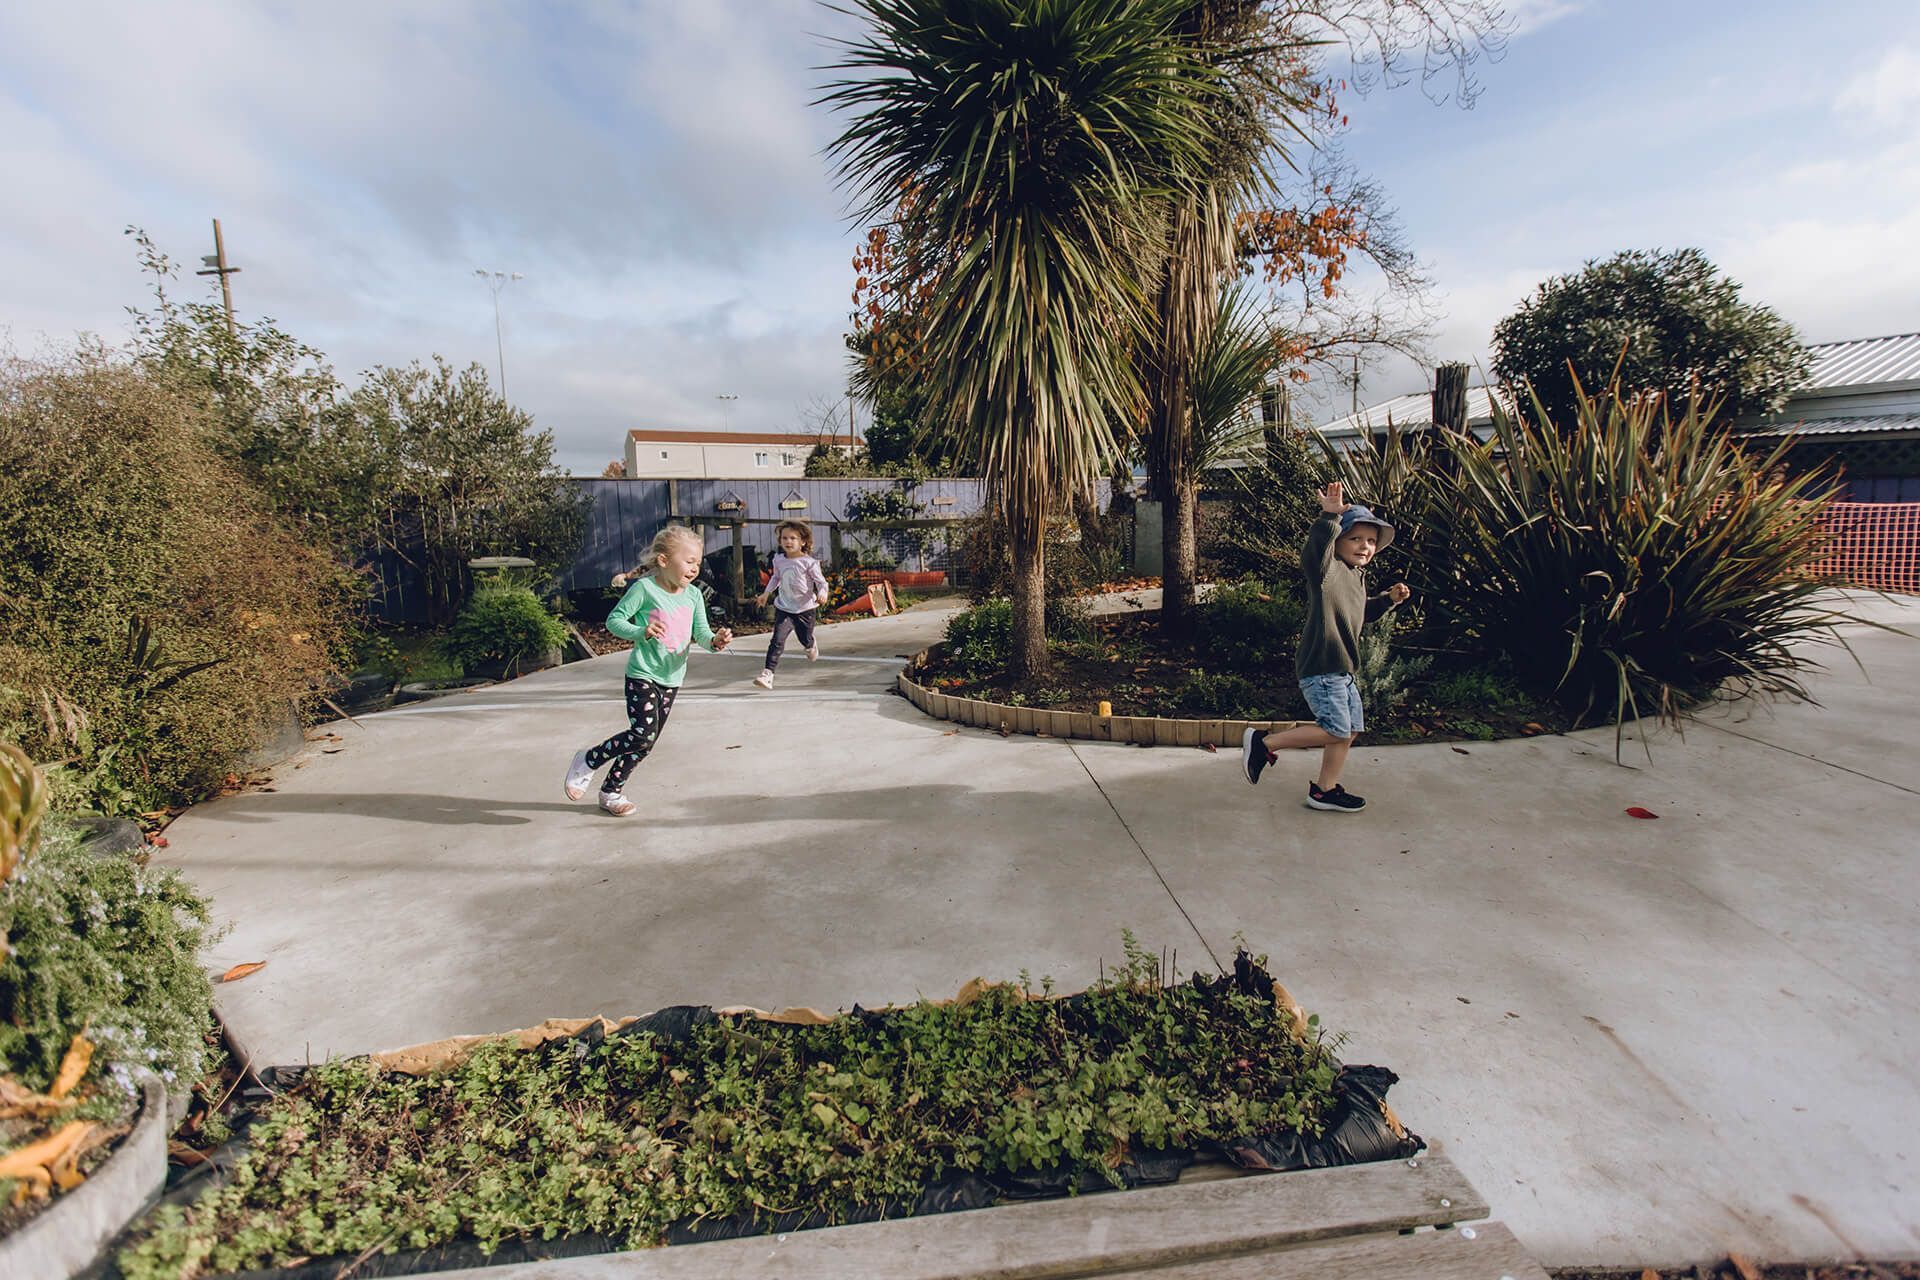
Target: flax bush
[(1631, 564), (155, 617)]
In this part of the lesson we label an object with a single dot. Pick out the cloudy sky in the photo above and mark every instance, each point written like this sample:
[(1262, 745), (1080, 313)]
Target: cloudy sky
[(655, 171)]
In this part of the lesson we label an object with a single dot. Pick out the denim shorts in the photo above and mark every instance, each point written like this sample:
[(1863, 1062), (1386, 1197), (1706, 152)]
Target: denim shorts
[(1335, 702)]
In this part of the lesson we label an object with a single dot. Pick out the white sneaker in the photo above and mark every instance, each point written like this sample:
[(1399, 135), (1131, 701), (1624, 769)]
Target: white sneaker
[(764, 679), (579, 775), (813, 653), (616, 804)]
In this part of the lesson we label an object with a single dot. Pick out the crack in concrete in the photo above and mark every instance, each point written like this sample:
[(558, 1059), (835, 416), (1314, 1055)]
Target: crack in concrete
[(1179, 906), (1747, 737)]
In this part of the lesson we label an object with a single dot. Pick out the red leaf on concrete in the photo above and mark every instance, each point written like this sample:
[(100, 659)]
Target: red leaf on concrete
[(1637, 812), (240, 971)]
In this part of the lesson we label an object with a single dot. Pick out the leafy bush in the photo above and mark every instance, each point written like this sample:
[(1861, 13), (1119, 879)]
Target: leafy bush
[(1385, 678), (1631, 565), (501, 625), (1249, 626), (742, 1118), (1481, 688), (979, 639), (1223, 694), (1665, 322), (103, 944), (1270, 509), (156, 617)]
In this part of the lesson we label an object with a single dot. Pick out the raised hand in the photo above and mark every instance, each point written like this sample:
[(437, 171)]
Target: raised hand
[(1332, 500), (1399, 592)]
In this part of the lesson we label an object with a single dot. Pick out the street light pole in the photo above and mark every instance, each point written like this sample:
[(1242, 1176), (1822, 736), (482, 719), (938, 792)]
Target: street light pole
[(496, 281), (726, 410), (217, 266)]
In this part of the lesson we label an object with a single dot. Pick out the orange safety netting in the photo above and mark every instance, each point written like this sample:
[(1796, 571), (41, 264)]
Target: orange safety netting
[(1872, 544)]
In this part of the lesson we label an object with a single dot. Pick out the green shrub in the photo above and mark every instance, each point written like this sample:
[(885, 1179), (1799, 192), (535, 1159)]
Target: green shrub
[(1385, 677), (1270, 508), (979, 639), (636, 1133), (1482, 688), (155, 617), (1633, 564), (501, 625), (1223, 694), (1249, 626), (103, 944)]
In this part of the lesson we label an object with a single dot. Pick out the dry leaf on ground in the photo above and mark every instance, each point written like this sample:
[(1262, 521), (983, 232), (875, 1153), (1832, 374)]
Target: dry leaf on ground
[(1637, 812), (16, 1100), (72, 1067), (37, 1165), (240, 971)]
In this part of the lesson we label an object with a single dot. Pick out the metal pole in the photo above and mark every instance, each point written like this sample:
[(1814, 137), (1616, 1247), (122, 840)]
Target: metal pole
[(499, 343)]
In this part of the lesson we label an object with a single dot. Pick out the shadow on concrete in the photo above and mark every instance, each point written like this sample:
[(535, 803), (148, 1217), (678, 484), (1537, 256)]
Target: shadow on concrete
[(457, 811)]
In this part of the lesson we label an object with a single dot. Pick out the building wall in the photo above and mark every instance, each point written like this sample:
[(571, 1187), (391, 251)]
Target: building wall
[(663, 460)]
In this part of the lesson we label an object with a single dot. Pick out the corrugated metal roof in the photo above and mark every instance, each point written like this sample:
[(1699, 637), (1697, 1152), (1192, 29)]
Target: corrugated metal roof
[(1414, 410), (1863, 362), (1836, 426), (644, 436)]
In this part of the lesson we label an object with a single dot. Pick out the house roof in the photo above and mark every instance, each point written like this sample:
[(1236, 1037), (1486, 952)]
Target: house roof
[(1880, 363), (1414, 410), (1875, 424), (736, 437)]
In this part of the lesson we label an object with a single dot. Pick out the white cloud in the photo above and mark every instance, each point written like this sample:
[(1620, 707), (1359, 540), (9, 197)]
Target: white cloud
[(1888, 94)]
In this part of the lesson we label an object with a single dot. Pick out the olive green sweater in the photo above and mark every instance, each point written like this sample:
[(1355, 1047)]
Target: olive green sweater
[(1337, 606)]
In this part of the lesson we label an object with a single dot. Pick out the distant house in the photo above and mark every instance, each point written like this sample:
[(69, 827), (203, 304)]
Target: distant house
[(1860, 410), (1412, 412), (749, 455)]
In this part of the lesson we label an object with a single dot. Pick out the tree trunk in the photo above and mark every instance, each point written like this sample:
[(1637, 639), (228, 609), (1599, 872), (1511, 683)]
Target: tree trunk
[(1029, 548), (1179, 557)]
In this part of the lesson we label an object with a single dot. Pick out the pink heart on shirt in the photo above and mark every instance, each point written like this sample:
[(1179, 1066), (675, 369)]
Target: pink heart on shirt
[(679, 628)]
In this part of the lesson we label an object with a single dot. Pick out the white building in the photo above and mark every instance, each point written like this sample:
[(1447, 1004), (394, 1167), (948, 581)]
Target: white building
[(748, 455)]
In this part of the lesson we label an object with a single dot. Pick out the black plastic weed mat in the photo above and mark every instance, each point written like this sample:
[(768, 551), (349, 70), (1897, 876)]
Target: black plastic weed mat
[(1360, 1130)]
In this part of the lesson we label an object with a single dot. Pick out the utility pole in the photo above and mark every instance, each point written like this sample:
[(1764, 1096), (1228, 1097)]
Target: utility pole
[(217, 266), (496, 281)]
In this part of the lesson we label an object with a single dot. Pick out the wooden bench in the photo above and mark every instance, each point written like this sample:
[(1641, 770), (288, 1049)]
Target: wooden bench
[(1404, 1218)]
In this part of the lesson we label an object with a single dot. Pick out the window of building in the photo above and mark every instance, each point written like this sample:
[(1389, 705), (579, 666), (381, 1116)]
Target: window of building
[(759, 459), (663, 455), (786, 459)]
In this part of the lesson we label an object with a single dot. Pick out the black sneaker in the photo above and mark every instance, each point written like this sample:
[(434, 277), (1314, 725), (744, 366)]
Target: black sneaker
[(1254, 756), (1335, 800)]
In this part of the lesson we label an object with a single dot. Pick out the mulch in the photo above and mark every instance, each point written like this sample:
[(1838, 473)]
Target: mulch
[(1739, 1267)]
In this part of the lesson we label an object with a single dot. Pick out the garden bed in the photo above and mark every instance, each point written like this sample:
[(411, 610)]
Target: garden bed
[(696, 1124), (1131, 665)]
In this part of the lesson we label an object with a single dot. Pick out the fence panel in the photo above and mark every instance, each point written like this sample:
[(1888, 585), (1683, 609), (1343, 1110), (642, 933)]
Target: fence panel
[(1873, 544)]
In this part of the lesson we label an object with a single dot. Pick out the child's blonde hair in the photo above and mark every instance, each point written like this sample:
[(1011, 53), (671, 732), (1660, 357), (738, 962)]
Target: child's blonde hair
[(663, 542), (800, 527)]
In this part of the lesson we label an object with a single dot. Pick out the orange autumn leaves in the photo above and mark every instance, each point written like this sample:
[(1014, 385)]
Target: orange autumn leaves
[(38, 1167)]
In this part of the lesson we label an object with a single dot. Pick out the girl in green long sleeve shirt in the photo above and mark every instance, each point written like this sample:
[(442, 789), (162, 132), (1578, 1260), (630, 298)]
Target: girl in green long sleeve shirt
[(664, 615)]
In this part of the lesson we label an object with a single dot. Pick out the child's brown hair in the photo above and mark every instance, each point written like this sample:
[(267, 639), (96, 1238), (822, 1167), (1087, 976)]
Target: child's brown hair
[(800, 527)]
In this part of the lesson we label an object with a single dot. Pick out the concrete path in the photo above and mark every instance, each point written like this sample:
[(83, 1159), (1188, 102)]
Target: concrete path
[(1644, 1041)]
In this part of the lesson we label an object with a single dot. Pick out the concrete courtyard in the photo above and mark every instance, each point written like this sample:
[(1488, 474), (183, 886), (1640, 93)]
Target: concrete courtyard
[(1644, 1041)]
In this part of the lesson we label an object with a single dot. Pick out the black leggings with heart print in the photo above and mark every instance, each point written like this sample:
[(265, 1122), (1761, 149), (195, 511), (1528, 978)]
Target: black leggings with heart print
[(647, 707)]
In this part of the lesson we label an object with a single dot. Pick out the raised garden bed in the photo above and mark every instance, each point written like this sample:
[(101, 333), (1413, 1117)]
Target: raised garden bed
[(1130, 665), (695, 1124)]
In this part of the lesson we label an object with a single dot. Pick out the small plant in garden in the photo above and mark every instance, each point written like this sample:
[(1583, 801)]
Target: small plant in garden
[(1386, 678), (503, 625), (1250, 626), (980, 639), (1224, 694), (1630, 566)]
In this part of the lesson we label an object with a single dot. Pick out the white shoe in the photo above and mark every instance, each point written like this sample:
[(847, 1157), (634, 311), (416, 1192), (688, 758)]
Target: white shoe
[(764, 679), (579, 775), (813, 653), (616, 804)]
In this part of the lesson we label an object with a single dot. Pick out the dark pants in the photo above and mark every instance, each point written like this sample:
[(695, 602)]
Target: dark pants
[(784, 623), (647, 707)]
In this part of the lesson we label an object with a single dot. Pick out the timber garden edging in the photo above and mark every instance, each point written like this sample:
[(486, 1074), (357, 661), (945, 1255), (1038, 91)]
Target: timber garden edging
[(1148, 731)]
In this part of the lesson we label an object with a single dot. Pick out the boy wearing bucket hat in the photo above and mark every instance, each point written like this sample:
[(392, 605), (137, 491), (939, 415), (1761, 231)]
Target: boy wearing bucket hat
[(1343, 541)]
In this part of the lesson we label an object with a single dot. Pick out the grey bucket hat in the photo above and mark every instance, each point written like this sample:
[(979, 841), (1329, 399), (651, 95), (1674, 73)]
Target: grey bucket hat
[(1360, 515)]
